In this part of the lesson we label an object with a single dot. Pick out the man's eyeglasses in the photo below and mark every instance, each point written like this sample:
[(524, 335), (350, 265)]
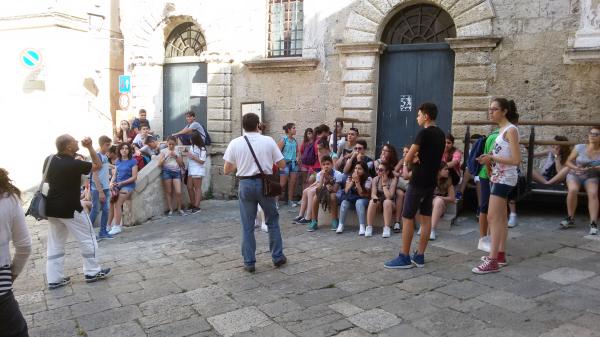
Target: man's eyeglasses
[(358, 148), (595, 134)]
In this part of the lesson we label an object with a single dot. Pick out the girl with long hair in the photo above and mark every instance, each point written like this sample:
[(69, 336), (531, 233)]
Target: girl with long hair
[(504, 160), (443, 195), (171, 163), (196, 171), (291, 154), (12, 228), (308, 156), (452, 156), (383, 192), (555, 167), (124, 133), (122, 184), (356, 195)]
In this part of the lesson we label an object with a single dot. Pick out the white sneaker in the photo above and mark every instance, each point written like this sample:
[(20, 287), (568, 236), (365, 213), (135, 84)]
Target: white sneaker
[(369, 231), (432, 235), (340, 228), (513, 220), (386, 232), (419, 231), (170, 214), (181, 212), (361, 229), (115, 230), (264, 228), (397, 227), (593, 229)]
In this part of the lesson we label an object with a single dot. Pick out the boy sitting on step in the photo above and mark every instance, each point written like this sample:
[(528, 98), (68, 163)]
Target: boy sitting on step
[(328, 182)]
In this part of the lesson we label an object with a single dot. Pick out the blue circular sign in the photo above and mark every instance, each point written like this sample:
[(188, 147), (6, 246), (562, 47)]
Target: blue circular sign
[(31, 58)]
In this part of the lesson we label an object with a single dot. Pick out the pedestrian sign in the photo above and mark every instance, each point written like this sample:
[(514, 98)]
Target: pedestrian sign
[(31, 58), (124, 84)]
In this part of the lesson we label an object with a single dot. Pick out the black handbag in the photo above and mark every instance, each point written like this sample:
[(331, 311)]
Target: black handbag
[(37, 206), (270, 182)]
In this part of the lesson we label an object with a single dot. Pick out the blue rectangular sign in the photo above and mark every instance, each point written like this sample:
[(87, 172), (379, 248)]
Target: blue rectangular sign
[(124, 84)]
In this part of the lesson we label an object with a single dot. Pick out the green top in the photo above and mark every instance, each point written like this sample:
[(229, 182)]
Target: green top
[(489, 143)]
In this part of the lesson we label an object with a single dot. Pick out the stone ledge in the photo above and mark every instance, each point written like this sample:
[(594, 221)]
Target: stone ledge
[(360, 48), (282, 64), (474, 42), (582, 55)]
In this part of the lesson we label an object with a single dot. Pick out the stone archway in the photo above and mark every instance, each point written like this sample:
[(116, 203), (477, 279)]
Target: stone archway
[(473, 46)]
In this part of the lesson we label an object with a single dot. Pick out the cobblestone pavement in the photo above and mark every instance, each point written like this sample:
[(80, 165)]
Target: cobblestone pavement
[(182, 276)]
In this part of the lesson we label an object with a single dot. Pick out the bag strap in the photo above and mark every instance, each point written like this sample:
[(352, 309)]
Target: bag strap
[(45, 173), (254, 155)]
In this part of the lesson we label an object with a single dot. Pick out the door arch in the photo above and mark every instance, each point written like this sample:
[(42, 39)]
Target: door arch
[(184, 77), (417, 66)]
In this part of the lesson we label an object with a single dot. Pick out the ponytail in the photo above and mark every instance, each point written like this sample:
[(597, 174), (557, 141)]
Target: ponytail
[(510, 107), (288, 127)]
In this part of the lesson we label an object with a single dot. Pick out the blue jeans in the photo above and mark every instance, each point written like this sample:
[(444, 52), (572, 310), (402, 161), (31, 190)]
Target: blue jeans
[(250, 193), (97, 206), (361, 210)]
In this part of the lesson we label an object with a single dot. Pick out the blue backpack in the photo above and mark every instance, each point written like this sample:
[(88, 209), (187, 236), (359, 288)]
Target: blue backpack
[(472, 164)]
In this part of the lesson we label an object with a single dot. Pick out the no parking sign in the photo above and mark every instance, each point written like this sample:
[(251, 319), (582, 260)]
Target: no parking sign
[(31, 58)]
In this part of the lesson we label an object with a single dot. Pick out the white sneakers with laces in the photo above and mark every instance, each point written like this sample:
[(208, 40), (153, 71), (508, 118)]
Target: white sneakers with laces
[(386, 232)]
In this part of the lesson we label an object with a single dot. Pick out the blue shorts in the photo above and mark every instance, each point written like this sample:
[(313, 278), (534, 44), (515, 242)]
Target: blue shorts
[(501, 190), (169, 174), (290, 167), (127, 188)]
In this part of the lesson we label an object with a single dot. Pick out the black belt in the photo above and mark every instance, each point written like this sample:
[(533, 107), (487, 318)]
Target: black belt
[(256, 176)]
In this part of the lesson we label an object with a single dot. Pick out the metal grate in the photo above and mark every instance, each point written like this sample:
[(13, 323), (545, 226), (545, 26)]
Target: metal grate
[(185, 40), (286, 19), (419, 24)]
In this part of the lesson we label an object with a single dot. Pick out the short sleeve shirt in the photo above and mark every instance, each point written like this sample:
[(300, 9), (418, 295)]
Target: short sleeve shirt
[(195, 168), (170, 162), (139, 140), (103, 175), (432, 142), (124, 170), (337, 176), (198, 127), (64, 180), (266, 150), (138, 123)]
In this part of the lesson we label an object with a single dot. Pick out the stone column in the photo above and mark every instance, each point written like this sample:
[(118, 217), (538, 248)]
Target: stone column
[(586, 45), (474, 71), (360, 70), (219, 124)]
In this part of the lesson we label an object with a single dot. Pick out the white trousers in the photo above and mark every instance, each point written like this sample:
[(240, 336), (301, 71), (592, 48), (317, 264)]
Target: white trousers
[(80, 227)]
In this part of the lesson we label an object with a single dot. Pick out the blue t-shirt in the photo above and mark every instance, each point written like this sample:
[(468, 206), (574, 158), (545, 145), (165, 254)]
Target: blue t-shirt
[(124, 168), (103, 176)]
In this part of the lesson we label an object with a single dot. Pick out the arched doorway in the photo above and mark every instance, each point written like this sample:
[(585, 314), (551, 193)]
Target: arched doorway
[(184, 77), (417, 66)]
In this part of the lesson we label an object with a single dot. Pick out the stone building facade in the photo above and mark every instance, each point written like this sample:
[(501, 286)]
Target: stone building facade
[(542, 53)]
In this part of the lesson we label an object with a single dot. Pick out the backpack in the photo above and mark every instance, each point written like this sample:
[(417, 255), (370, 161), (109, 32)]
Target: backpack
[(309, 156), (140, 162), (472, 164), (206, 136)]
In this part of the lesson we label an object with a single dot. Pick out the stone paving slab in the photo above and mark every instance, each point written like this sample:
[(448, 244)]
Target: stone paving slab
[(183, 276)]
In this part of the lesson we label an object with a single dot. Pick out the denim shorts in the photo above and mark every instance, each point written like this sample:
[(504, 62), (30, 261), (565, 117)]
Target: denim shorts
[(168, 174), (290, 167), (128, 188), (501, 190)]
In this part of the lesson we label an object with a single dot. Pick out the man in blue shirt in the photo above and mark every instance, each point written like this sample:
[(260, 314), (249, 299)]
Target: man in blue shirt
[(100, 189)]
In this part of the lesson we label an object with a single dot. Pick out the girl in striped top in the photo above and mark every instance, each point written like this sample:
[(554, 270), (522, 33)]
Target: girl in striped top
[(12, 227)]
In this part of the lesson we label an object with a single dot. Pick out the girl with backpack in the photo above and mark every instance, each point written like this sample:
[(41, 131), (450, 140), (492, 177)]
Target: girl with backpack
[(291, 155)]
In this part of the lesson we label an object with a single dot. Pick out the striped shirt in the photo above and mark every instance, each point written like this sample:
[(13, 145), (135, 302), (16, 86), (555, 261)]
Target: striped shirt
[(5, 280)]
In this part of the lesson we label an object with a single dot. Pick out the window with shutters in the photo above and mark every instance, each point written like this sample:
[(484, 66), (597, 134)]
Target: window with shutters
[(285, 28)]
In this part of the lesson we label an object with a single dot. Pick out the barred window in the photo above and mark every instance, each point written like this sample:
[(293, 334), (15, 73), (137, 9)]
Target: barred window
[(285, 28)]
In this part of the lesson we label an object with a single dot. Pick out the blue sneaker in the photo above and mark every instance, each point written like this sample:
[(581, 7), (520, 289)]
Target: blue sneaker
[(458, 196), (312, 226), (334, 224), (418, 260), (104, 236), (401, 262)]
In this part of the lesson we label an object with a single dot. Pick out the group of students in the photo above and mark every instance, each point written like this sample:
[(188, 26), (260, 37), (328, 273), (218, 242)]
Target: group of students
[(109, 188)]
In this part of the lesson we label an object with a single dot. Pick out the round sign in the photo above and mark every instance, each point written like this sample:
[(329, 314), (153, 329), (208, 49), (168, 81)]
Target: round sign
[(124, 101), (31, 58)]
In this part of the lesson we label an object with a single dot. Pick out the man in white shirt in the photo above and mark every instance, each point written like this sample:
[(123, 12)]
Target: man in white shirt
[(250, 190)]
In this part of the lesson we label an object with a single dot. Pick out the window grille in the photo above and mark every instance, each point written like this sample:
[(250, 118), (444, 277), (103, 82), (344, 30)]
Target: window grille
[(419, 24), (285, 28), (185, 40)]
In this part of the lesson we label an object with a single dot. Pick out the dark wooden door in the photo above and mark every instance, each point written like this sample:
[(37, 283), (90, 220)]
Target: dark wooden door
[(409, 75), (181, 95)]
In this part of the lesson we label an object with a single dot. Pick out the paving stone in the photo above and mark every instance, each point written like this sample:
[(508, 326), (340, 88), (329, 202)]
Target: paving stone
[(54, 303), (109, 317), (411, 308), (164, 303), (51, 316), (148, 293), (300, 321), (60, 329), (279, 307), (167, 316), (570, 330), (96, 305), (566, 275), (588, 320), (345, 308), (354, 332), (531, 288), (30, 298), (325, 330), (217, 305), (374, 320), (422, 283), (377, 297), (130, 329), (402, 330), (508, 301), (184, 327), (319, 296), (240, 320), (573, 253), (464, 290), (445, 321), (271, 330), (256, 296)]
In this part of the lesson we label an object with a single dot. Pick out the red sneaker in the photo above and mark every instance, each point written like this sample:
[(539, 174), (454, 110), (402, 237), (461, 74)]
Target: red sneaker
[(489, 266), (501, 259)]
